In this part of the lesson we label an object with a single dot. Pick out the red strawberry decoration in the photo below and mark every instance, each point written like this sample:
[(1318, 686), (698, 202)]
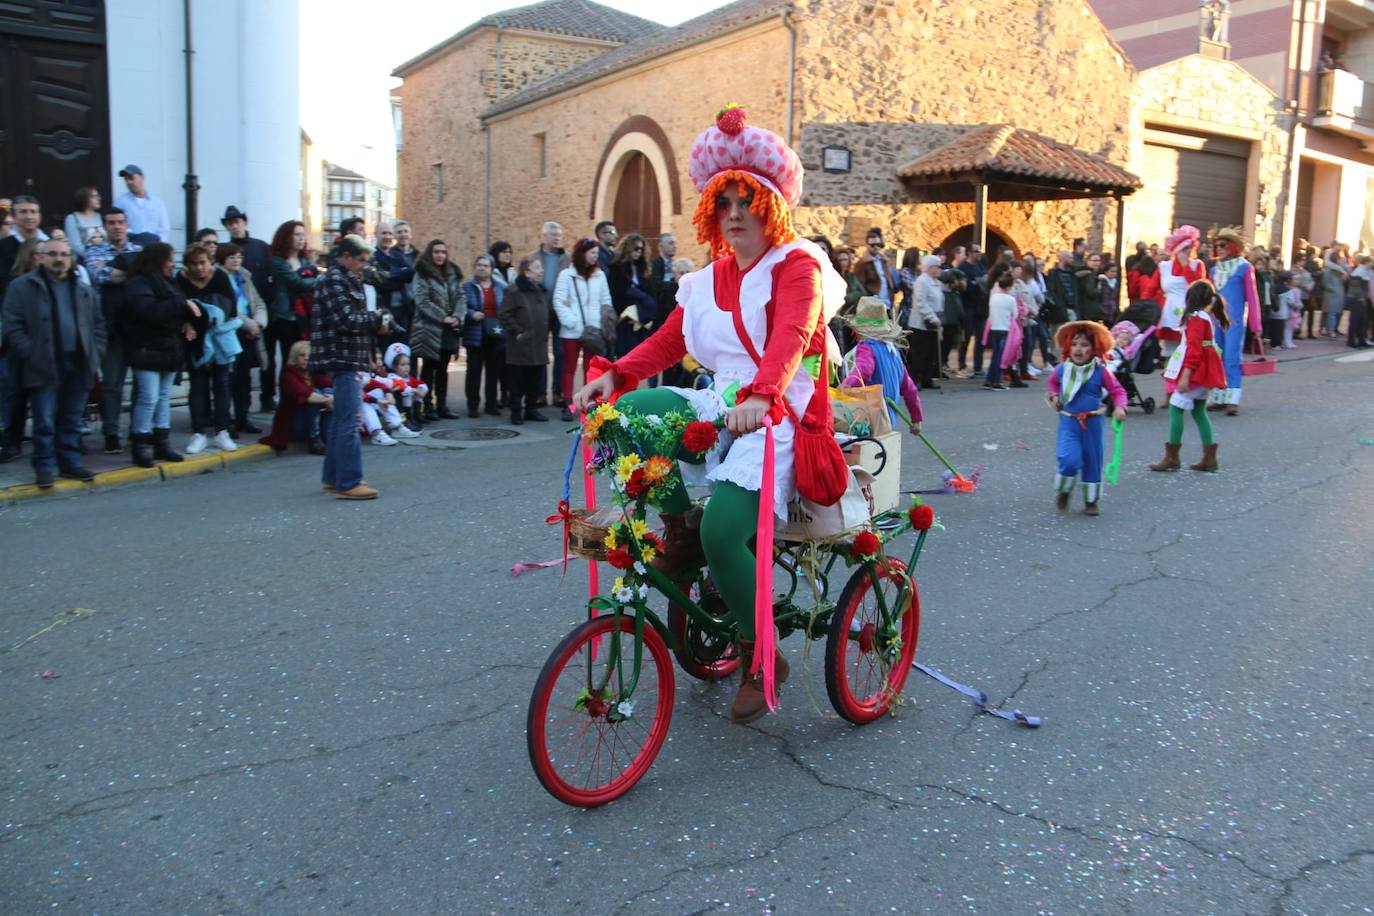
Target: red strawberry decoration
[(730, 120), (922, 517), (866, 545)]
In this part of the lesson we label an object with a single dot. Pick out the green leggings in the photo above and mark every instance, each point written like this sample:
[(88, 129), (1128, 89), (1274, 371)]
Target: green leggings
[(727, 526), (1204, 423)]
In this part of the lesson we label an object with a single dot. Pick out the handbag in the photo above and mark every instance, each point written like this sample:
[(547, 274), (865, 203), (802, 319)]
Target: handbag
[(593, 339)]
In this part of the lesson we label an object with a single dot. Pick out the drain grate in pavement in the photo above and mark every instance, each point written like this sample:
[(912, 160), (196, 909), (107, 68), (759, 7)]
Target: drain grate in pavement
[(475, 434)]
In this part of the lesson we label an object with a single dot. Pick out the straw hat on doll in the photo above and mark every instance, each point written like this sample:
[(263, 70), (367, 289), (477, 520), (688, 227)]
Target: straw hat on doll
[(871, 320)]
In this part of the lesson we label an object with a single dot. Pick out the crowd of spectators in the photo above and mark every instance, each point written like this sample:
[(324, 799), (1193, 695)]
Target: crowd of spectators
[(101, 297)]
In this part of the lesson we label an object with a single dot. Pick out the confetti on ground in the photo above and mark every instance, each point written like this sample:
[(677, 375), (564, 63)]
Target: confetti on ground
[(1022, 445), (1367, 440), (991, 446), (49, 674)]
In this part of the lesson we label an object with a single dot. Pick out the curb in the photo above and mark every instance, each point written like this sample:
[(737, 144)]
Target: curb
[(192, 466)]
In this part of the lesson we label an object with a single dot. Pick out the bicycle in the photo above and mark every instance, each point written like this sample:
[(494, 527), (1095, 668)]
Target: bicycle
[(603, 702)]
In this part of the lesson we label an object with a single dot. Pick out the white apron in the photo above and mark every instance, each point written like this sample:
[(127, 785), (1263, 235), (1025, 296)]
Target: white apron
[(712, 340), (1175, 289)]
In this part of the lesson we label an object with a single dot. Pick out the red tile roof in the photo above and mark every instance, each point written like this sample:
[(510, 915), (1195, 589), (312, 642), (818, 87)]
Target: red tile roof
[(1011, 151), (653, 44), (577, 18)]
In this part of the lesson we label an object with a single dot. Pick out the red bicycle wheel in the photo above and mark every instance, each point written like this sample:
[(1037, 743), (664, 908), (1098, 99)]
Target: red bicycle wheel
[(702, 654), (866, 661), (583, 748)]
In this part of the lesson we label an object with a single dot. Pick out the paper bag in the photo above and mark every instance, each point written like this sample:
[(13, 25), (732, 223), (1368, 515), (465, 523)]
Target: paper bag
[(860, 411)]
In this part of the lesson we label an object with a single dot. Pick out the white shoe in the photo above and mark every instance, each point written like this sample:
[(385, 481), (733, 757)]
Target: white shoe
[(405, 432), (224, 443), (381, 438), (197, 444)]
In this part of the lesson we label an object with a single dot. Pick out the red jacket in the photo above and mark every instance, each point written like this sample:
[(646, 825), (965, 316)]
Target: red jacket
[(1140, 286)]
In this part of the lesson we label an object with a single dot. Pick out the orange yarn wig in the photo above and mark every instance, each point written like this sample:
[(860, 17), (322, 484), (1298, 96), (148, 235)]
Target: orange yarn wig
[(777, 218), (1096, 333)]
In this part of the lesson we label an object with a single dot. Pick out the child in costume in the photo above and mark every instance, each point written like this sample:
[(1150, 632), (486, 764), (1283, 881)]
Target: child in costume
[(1127, 341), (1076, 389), (381, 420), (1194, 369), (410, 391), (875, 360)]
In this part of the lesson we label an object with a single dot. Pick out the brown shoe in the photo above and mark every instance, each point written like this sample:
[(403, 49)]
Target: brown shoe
[(329, 487), (1213, 407), (1209, 459), (682, 557), (749, 703), (1170, 460), (1232, 410), (1091, 509), (1061, 501), (361, 491)]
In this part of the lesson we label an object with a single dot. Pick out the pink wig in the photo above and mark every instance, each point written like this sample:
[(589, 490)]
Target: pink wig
[(1184, 237)]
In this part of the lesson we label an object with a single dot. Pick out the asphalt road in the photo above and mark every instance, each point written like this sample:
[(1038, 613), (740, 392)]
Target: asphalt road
[(275, 702)]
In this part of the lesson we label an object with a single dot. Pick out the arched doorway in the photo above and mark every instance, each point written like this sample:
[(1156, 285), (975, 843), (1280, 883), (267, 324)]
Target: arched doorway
[(637, 204), (964, 236)]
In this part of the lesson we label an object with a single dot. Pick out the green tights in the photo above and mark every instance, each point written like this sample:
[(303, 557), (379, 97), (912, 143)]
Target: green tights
[(1204, 423), (727, 526)]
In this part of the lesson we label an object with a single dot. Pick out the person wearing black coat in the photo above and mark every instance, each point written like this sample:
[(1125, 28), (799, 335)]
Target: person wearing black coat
[(632, 287), (525, 318), (154, 321), (200, 280)]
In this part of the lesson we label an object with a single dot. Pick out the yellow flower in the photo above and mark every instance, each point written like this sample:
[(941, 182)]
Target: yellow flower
[(591, 428), (625, 466), (606, 412), (610, 539), (639, 528), (647, 554)]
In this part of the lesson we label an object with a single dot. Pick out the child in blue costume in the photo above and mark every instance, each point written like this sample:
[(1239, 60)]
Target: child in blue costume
[(1076, 390), (875, 360)]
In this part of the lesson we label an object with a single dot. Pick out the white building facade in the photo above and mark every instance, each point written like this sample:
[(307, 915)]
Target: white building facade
[(128, 105)]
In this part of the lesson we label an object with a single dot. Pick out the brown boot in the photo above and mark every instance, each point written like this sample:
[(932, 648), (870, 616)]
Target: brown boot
[(1061, 501), (1232, 410), (1170, 460), (681, 558), (1209, 459), (1091, 509), (1213, 407), (749, 703)]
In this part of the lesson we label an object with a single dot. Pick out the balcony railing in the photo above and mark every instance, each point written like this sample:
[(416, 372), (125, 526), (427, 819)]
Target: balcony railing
[(1345, 104)]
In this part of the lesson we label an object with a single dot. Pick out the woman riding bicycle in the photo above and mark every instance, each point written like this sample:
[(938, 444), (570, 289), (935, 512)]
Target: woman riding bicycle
[(757, 316)]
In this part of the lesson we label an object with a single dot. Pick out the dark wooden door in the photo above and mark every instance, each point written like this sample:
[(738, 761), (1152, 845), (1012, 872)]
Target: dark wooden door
[(54, 120), (636, 199)]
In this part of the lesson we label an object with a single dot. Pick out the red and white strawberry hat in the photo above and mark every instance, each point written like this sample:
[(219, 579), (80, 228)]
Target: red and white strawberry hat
[(733, 145)]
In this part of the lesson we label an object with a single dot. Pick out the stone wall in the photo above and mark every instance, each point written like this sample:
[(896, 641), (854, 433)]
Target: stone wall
[(681, 93), (441, 126), (894, 79), (1168, 95)]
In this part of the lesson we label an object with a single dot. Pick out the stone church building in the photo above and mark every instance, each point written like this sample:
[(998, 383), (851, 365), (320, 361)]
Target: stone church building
[(927, 120)]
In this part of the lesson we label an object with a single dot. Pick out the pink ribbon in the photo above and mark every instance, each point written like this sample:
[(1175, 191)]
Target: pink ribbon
[(589, 498), (764, 647)]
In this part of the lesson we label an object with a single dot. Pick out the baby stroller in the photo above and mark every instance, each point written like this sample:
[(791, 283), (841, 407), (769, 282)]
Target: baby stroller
[(1146, 359)]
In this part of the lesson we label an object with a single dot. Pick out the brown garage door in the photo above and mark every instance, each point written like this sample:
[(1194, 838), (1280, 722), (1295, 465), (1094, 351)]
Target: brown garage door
[(1196, 179)]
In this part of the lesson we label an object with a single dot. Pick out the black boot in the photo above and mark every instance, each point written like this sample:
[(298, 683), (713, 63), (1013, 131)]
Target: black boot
[(141, 444), (162, 446)]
